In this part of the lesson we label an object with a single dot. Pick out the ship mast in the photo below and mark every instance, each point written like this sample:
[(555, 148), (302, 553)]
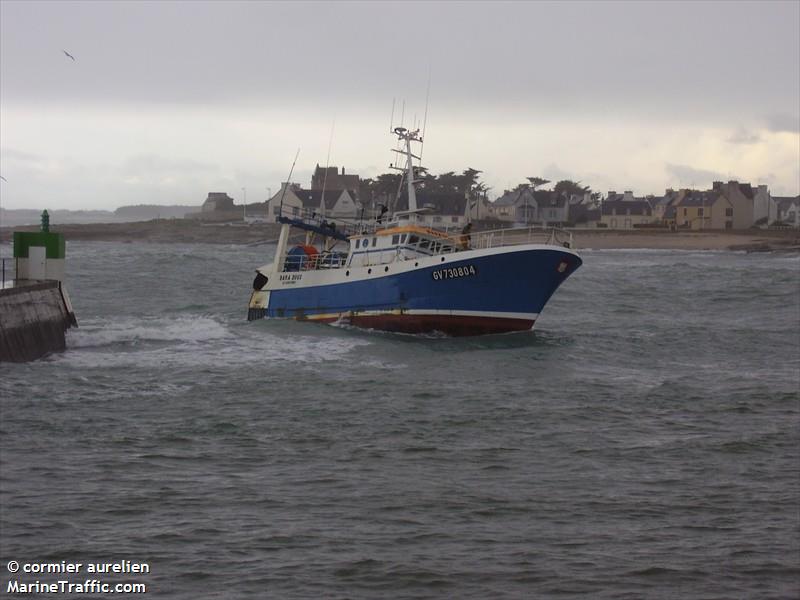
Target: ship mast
[(407, 136)]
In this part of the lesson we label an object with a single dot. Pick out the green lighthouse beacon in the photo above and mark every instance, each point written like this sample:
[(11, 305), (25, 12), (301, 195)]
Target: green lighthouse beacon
[(40, 254)]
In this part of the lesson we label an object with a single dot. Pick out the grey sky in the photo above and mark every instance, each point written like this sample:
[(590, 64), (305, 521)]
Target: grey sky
[(167, 101)]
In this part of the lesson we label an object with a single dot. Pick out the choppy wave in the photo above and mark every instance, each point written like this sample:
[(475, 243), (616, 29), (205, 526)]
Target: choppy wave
[(94, 333), (195, 341)]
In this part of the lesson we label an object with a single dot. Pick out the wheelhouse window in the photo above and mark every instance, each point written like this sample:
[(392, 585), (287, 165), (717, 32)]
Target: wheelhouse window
[(374, 242), (395, 239)]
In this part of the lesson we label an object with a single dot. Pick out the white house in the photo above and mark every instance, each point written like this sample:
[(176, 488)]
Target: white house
[(789, 210), (445, 211), (339, 204), (617, 212), (516, 206), (764, 207)]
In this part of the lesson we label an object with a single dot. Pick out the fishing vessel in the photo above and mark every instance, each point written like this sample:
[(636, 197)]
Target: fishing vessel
[(395, 273)]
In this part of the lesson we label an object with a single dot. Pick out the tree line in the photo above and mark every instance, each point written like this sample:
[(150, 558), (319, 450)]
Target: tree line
[(467, 183)]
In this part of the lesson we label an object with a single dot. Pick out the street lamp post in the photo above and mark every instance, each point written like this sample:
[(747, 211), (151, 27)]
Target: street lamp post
[(244, 191)]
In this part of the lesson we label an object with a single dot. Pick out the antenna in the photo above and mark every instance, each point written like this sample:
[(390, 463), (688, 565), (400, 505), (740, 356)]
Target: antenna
[(325, 179), (288, 179), (425, 119), (391, 120), (403, 114)]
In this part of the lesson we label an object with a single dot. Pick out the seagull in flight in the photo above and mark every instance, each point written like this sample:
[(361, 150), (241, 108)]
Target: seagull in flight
[(68, 54)]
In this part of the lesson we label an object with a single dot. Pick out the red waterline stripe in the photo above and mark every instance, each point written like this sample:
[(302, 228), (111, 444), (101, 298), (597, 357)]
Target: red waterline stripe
[(454, 325)]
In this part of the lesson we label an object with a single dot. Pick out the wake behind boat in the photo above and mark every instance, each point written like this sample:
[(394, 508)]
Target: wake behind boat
[(396, 274)]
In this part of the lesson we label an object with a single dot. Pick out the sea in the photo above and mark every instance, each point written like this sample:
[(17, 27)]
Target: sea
[(642, 442)]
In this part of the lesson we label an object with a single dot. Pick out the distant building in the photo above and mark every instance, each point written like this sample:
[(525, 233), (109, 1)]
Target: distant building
[(627, 196), (731, 205), (694, 210), (516, 206), (669, 217), (339, 204), (217, 201), (740, 212), (444, 210), (584, 214), (788, 209), (480, 208), (661, 204), (765, 209), (286, 197), (553, 208), (523, 206), (331, 179), (623, 211)]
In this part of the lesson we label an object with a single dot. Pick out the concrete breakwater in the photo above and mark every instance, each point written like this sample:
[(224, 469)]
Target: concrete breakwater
[(34, 316)]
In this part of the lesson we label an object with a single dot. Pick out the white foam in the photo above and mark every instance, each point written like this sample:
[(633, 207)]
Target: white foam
[(131, 331), (197, 341)]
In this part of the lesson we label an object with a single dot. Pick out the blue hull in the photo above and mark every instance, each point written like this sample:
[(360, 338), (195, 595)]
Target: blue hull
[(484, 294)]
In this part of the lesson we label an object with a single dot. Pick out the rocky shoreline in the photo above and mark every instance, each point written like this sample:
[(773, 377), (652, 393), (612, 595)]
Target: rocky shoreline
[(192, 231)]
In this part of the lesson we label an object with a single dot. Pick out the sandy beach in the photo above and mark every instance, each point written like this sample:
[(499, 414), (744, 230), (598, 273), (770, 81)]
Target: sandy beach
[(189, 231), (749, 240)]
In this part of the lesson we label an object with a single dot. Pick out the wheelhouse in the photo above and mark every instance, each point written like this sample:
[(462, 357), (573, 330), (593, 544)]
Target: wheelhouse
[(398, 243)]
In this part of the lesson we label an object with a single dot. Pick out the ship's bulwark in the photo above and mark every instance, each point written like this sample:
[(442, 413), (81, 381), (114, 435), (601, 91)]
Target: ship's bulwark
[(498, 293)]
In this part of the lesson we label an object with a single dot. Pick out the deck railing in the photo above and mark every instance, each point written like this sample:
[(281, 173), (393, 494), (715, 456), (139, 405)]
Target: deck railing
[(314, 263), (522, 235), (434, 247)]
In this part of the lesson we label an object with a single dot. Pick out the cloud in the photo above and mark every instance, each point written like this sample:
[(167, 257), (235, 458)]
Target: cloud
[(743, 136), (784, 123), (158, 171), (20, 156), (149, 163), (690, 176)]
